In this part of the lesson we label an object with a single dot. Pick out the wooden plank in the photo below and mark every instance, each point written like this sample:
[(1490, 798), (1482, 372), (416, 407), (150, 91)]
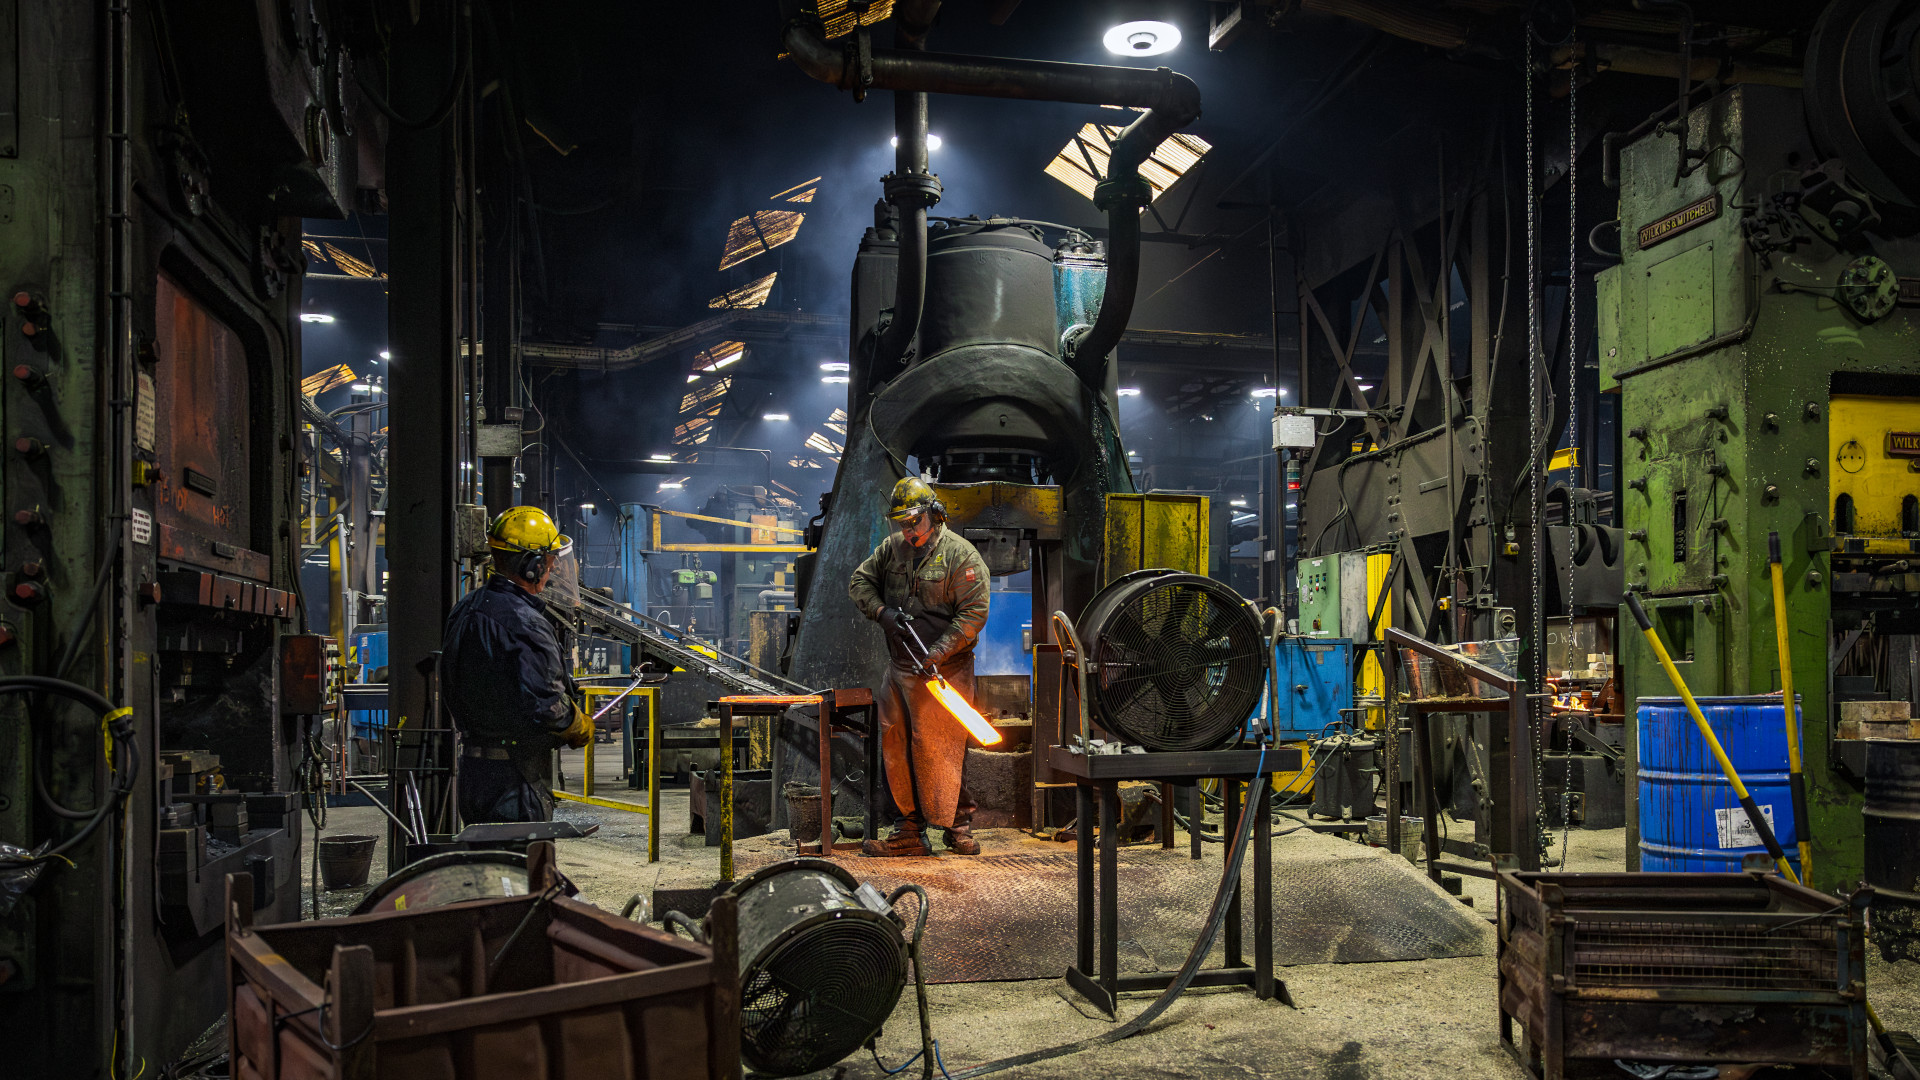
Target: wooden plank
[(269, 971), (350, 1023), (723, 1020), (606, 952), (419, 1020)]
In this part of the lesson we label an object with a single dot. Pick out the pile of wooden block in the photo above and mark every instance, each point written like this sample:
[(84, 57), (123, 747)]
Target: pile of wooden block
[(1878, 720)]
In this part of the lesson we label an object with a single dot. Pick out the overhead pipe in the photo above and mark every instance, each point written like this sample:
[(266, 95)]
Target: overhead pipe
[(912, 189), (1172, 102)]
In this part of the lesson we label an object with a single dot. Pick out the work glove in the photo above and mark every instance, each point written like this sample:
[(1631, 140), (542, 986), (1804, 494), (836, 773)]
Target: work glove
[(580, 731), (893, 622), (941, 651)]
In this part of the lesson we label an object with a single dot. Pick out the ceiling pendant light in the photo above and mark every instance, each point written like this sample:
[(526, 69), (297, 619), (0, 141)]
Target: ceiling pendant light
[(1143, 37)]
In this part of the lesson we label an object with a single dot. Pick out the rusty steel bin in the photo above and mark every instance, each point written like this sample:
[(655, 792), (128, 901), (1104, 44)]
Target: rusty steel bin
[(1706, 967), (523, 986)]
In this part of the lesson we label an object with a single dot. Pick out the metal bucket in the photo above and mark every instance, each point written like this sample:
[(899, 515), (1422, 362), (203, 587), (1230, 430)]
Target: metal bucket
[(1892, 814), (822, 964), (345, 860), (1410, 831), (1690, 819), (803, 811)]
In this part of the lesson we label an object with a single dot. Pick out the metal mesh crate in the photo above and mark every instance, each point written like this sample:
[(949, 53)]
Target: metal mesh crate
[(1676, 953), (1679, 968)]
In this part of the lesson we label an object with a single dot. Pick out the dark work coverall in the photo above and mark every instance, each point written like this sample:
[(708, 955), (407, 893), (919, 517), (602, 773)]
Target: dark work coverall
[(944, 586), (511, 696)]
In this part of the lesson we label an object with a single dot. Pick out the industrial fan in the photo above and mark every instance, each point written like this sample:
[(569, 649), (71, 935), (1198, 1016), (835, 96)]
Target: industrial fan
[(1175, 661), (822, 964)]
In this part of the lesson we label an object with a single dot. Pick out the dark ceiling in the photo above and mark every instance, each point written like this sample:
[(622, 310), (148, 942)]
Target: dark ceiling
[(648, 128)]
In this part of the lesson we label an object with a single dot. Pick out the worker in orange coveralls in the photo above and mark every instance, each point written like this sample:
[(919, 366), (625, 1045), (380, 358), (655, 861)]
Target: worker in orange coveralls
[(928, 578)]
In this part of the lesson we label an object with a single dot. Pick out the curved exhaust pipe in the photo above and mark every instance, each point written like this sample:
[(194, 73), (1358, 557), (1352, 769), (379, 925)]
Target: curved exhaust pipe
[(1172, 102)]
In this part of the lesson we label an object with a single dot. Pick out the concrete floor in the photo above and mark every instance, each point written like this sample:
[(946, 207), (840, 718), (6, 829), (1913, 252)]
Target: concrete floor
[(1411, 1020)]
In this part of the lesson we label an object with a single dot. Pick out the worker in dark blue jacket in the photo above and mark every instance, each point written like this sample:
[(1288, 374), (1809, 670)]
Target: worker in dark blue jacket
[(505, 680)]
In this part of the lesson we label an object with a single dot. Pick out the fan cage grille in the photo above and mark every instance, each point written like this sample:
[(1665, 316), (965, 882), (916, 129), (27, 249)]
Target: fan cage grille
[(819, 996), (1179, 667)]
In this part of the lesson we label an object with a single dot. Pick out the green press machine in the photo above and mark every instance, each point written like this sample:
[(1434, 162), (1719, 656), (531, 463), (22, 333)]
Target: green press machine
[(1763, 331)]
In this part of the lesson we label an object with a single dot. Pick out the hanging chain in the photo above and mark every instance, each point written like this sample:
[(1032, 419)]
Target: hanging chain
[(1535, 622), (1573, 414)]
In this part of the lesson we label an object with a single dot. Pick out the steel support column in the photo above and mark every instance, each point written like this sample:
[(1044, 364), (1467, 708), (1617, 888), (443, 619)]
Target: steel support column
[(425, 378)]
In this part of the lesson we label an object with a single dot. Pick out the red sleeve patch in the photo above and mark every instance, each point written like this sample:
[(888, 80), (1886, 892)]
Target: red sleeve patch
[(969, 574)]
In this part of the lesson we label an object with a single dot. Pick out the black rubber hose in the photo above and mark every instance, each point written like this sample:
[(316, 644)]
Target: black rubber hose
[(119, 727), (463, 51), (685, 922), (1201, 947)]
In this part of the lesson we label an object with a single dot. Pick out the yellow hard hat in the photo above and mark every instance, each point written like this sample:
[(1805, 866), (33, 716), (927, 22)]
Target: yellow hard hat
[(528, 529), (913, 496)]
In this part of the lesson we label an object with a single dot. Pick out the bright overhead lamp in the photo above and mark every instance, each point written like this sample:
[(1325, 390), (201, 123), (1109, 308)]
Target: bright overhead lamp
[(315, 317), (1237, 502), (1265, 392), (385, 355), (1128, 391), (659, 457), (586, 506), (360, 388), (1146, 37), (775, 416), (835, 365), (933, 141), (835, 379), (1133, 453), (670, 485), (1366, 386)]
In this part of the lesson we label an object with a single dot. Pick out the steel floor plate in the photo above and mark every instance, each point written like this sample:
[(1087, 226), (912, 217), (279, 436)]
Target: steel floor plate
[(1003, 917)]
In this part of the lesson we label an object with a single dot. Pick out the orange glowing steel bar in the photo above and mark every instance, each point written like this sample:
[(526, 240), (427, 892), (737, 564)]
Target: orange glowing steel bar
[(963, 712)]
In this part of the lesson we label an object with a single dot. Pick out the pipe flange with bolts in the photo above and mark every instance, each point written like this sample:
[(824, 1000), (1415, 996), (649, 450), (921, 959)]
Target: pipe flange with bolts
[(906, 190)]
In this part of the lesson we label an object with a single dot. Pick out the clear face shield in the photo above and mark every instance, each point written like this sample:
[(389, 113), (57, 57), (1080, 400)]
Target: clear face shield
[(916, 528)]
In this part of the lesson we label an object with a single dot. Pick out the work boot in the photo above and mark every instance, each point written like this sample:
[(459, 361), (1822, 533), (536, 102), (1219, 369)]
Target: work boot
[(907, 840), (960, 839)]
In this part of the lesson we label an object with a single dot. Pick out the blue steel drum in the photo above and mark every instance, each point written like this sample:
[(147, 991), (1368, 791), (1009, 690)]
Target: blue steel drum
[(1690, 819)]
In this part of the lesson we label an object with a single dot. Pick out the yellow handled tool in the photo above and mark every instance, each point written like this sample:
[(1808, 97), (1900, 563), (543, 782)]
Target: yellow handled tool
[(1790, 708), (1760, 825), (1897, 1061)]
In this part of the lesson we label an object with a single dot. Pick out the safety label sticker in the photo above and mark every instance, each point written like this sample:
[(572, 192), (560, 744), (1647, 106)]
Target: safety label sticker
[(142, 526), (1736, 828)]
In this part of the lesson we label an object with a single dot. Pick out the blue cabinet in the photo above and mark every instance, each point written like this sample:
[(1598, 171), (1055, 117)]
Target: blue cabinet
[(1316, 682)]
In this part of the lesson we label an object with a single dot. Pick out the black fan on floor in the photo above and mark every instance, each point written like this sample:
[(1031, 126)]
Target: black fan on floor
[(822, 964), (1176, 661)]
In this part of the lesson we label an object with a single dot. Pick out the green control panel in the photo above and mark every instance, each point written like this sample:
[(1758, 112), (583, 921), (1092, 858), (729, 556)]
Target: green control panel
[(1333, 595)]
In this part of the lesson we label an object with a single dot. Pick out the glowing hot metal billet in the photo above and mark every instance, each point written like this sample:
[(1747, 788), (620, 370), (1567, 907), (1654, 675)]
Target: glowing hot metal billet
[(950, 698), (968, 716)]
